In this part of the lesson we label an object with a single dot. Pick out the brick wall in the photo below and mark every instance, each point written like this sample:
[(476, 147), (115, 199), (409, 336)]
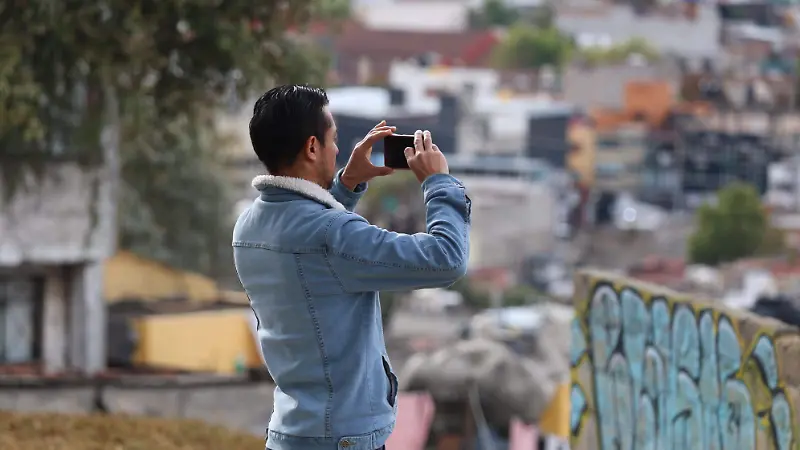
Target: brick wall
[(655, 369)]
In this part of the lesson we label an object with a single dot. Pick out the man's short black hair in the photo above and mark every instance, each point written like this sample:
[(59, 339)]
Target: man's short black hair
[(283, 120)]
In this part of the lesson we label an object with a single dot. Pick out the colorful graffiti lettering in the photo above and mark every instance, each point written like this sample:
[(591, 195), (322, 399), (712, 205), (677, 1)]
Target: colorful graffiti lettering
[(656, 374)]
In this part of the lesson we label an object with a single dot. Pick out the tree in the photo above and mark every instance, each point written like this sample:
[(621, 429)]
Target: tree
[(736, 227), (619, 53), (156, 73), (529, 47), (493, 13), (336, 10)]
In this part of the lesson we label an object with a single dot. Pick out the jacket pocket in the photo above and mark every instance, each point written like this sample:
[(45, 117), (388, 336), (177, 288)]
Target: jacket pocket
[(391, 395)]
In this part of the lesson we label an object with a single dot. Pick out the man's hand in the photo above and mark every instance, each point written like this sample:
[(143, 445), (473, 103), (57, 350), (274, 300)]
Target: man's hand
[(425, 159), (359, 168)]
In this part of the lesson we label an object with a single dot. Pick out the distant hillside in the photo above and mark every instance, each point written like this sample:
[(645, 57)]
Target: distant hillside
[(67, 432)]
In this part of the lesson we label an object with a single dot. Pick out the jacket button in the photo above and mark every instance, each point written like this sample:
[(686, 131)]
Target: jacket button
[(346, 443)]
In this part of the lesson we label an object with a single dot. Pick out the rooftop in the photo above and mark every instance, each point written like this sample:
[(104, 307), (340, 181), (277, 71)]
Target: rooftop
[(464, 47)]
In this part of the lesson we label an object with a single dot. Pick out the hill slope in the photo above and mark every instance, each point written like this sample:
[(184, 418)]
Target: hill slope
[(67, 432)]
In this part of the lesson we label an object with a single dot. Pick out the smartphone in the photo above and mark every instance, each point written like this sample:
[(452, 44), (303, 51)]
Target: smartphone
[(394, 147)]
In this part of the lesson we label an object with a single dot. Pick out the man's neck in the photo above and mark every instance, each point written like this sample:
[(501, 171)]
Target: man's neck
[(294, 173)]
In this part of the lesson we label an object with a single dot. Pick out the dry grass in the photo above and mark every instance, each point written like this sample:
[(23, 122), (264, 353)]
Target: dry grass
[(67, 432)]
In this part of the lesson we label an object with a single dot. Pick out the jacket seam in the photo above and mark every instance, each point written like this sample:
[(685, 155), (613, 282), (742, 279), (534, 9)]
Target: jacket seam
[(349, 196), (372, 434), (381, 263), (394, 265), (278, 248), (358, 259), (429, 194), (364, 357), (333, 270), (320, 345)]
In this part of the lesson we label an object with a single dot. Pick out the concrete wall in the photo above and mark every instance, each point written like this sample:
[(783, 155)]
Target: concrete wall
[(240, 405), (655, 369), (61, 224), (511, 219), (58, 218)]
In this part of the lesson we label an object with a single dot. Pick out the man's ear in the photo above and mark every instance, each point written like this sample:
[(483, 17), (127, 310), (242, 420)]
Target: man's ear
[(311, 149)]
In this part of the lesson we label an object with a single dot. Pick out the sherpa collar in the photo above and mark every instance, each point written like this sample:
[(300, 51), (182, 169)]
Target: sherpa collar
[(300, 186)]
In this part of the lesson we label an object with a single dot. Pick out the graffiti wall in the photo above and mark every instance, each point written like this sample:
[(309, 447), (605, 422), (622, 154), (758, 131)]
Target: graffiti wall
[(652, 370)]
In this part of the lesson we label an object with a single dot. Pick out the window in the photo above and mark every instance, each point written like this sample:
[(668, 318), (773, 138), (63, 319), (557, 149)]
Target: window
[(609, 169), (608, 143), (20, 313)]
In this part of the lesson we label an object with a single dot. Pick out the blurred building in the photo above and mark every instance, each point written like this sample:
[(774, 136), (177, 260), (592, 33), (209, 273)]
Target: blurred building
[(363, 55), (358, 109), (514, 208), (691, 165), (55, 232), (605, 86), (620, 157), (668, 33), (783, 185), (494, 106), (440, 16)]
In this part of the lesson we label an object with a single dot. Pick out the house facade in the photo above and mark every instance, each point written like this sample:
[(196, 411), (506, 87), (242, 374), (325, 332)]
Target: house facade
[(56, 229)]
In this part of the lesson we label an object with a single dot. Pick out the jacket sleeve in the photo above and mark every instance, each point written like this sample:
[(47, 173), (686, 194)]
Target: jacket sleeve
[(349, 199), (368, 258)]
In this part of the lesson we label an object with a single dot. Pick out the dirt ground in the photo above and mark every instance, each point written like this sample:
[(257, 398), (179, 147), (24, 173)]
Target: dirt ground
[(62, 432)]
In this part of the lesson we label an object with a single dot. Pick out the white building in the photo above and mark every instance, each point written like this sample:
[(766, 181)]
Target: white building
[(783, 185)]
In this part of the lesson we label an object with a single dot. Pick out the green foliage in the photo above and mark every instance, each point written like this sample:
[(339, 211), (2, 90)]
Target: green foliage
[(619, 53), (473, 298), (736, 227), (402, 188), (336, 10), (478, 299), (176, 205), (60, 57), (171, 64), (542, 17), (493, 13), (389, 301), (528, 47), (497, 14)]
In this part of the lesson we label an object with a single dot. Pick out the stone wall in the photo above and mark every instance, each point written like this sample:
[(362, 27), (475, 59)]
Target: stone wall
[(236, 404), (653, 369)]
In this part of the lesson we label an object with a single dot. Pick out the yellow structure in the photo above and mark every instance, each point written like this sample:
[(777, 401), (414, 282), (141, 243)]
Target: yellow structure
[(555, 419), (207, 341), (581, 159), (131, 277)]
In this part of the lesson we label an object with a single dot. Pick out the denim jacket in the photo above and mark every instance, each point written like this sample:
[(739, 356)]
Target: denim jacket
[(312, 269)]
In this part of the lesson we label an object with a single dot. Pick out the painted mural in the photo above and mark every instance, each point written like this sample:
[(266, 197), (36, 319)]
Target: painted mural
[(654, 373)]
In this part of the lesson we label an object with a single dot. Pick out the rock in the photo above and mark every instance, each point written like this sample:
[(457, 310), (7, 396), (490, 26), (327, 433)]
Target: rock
[(509, 385)]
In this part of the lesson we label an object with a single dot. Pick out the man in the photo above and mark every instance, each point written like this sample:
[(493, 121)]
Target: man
[(312, 269)]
